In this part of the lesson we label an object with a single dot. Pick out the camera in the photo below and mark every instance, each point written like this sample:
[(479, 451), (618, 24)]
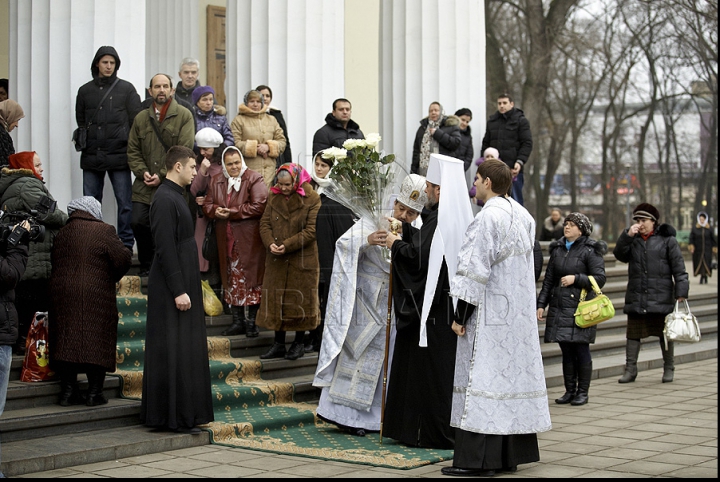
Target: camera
[(12, 234)]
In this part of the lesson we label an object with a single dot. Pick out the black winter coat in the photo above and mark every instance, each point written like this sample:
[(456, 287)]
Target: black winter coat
[(12, 268), (465, 151), (652, 266), (286, 155), (447, 136), (107, 137), (585, 258), (510, 134), (6, 147), (333, 134)]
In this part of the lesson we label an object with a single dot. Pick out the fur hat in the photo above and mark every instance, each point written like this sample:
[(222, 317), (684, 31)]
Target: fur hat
[(581, 221), (412, 192), (646, 211), (208, 137), (200, 91)]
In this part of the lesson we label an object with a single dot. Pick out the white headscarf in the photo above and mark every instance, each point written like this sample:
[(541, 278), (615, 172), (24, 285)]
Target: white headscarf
[(233, 182), (322, 183), (454, 217), (707, 219)]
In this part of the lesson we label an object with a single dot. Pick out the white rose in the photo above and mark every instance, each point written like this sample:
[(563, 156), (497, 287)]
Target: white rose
[(351, 144), (372, 140)]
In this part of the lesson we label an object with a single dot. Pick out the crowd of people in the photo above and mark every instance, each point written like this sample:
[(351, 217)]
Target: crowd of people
[(463, 367)]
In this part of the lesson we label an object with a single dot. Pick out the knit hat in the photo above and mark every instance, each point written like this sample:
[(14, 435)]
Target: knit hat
[(646, 211), (581, 221), (24, 160), (88, 204), (412, 192), (208, 137), (200, 91)]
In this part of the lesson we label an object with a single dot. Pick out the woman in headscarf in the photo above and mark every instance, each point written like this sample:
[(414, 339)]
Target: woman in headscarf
[(10, 114), (88, 258), (287, 228), (22, 188), (258, 136), (236, 200), (573, 259), (702, 245), (209, 163), (438, 134)]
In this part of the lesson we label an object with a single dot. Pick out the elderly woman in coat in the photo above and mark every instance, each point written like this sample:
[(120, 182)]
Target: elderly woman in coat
[(292, 272), (258, 136), (236, 200), (88, 258), (656, 280), (573, 259)]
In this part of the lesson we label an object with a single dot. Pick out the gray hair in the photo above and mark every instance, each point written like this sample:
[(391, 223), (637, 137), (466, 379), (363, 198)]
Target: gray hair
[(284, 173), (189, 61)]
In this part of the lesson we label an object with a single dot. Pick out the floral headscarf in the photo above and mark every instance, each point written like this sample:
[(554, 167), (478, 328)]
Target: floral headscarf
[(299, 177)]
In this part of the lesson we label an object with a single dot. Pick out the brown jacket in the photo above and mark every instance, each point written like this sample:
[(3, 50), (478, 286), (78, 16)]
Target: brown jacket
[(247, 207), (88, 258), (290, 288)]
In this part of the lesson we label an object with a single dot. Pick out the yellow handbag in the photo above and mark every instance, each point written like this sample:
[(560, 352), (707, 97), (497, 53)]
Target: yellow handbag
[(598, 309)]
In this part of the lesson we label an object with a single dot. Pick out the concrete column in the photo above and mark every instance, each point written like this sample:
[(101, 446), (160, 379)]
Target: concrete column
[(172, 33), (297, 48), (52, 45), (430, 50)]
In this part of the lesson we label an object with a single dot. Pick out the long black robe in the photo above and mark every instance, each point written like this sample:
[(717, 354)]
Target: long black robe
[(176, 376), (704, 241), (419, 399)]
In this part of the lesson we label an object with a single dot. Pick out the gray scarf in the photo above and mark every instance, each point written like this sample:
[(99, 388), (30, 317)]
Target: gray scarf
[(88, 204)]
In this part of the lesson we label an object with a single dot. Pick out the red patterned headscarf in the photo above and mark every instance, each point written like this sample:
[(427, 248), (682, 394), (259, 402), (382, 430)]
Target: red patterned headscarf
[(299, 177)]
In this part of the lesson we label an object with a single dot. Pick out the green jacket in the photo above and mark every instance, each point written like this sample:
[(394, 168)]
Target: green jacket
[(145, 153), (20, 190)]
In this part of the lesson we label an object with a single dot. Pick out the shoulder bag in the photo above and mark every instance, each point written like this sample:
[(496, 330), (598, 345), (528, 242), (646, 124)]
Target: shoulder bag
[(682, 327), (598, 309), (79, 136)]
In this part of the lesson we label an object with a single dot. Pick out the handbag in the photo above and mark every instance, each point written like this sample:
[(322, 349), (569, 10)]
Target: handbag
[(209, 246), (682, 327), (36, 365), (599, 309), (79, 136)]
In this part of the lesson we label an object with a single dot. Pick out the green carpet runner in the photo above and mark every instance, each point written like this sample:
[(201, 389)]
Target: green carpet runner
[(253, 413)]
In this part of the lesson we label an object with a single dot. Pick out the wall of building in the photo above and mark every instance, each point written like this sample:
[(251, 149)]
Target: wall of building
[(5, 39)]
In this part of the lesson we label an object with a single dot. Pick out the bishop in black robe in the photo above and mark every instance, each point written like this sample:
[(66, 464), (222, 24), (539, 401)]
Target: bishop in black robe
[(419, 398), (176, 377)]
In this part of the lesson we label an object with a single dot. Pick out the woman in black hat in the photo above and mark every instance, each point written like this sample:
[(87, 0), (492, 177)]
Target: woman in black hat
[(656, 279), (573, 259)]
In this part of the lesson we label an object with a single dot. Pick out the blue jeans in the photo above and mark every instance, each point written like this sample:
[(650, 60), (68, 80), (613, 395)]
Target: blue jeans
[(517, 187), (93, 185), (5, 364)]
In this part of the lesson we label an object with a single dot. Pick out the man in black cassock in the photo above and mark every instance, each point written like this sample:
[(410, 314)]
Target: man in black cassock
[(419, 397), (176, 376)]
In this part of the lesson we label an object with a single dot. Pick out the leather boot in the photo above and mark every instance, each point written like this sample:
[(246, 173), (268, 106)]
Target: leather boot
[(96, 380), (238, 323), (570, 377), (69, 390), (668, 360), (584, 372), (275, 351), (632, 350), (251, 330), (296, 351)]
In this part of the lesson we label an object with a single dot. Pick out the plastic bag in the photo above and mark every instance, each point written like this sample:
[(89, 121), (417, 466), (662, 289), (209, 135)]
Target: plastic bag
[(211, 303), (36, 366)]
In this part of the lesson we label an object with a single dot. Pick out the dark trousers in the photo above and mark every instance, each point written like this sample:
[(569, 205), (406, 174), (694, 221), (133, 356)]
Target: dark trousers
[(578, 353), (143, 235), (517, 187), (30, 296), (93, 185)]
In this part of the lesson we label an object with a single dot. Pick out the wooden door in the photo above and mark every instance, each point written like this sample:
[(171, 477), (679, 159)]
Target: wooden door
[(215, 74)]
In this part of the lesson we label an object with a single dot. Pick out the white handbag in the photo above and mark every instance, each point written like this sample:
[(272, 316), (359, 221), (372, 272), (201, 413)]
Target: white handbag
[(682, 327)]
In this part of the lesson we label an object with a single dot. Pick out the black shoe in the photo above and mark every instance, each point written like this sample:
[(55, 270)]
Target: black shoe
[(96, 399), (567, 398), (275, 351), (309, 348), (296, 351), (251, 329), (457, 471), (237, 328)]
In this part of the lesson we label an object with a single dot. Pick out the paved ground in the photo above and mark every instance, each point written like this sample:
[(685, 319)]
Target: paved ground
[(642, 429)]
